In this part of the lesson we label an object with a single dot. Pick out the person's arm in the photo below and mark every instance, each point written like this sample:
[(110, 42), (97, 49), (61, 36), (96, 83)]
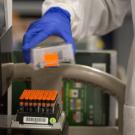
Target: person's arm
[(92, 17)]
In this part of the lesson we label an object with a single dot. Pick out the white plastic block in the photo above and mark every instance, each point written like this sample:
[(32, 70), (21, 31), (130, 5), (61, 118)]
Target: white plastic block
[(64, 51)]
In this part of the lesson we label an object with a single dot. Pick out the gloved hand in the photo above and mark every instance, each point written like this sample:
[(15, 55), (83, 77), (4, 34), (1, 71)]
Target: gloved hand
[(55, 22)]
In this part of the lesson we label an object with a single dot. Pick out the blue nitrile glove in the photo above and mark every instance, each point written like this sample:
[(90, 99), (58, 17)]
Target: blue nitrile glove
[(55, 22)]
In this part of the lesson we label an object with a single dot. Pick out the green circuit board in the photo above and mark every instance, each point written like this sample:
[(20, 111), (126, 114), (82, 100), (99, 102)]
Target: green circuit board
[(85, 104)]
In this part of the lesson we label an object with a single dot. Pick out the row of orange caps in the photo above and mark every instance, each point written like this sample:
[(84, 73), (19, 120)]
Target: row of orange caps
[(43, 95)]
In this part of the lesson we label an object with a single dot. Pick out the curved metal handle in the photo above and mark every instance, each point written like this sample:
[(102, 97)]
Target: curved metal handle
[(111, 84)]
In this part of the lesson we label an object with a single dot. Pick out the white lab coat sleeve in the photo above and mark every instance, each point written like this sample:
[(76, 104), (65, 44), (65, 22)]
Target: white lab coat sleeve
[(92, 17)]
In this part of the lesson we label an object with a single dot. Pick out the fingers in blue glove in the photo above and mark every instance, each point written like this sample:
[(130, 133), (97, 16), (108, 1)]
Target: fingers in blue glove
[(55, 22)]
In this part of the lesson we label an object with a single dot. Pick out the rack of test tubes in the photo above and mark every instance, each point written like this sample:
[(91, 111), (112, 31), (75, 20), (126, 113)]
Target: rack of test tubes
[(38, 107)]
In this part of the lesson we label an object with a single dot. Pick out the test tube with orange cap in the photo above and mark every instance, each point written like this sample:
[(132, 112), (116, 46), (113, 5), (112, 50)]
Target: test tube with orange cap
[(48, 101), (21, 101), (45, 94), (30, 99), (26, 101), (39, 100), (35, 100), (53, 100)]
